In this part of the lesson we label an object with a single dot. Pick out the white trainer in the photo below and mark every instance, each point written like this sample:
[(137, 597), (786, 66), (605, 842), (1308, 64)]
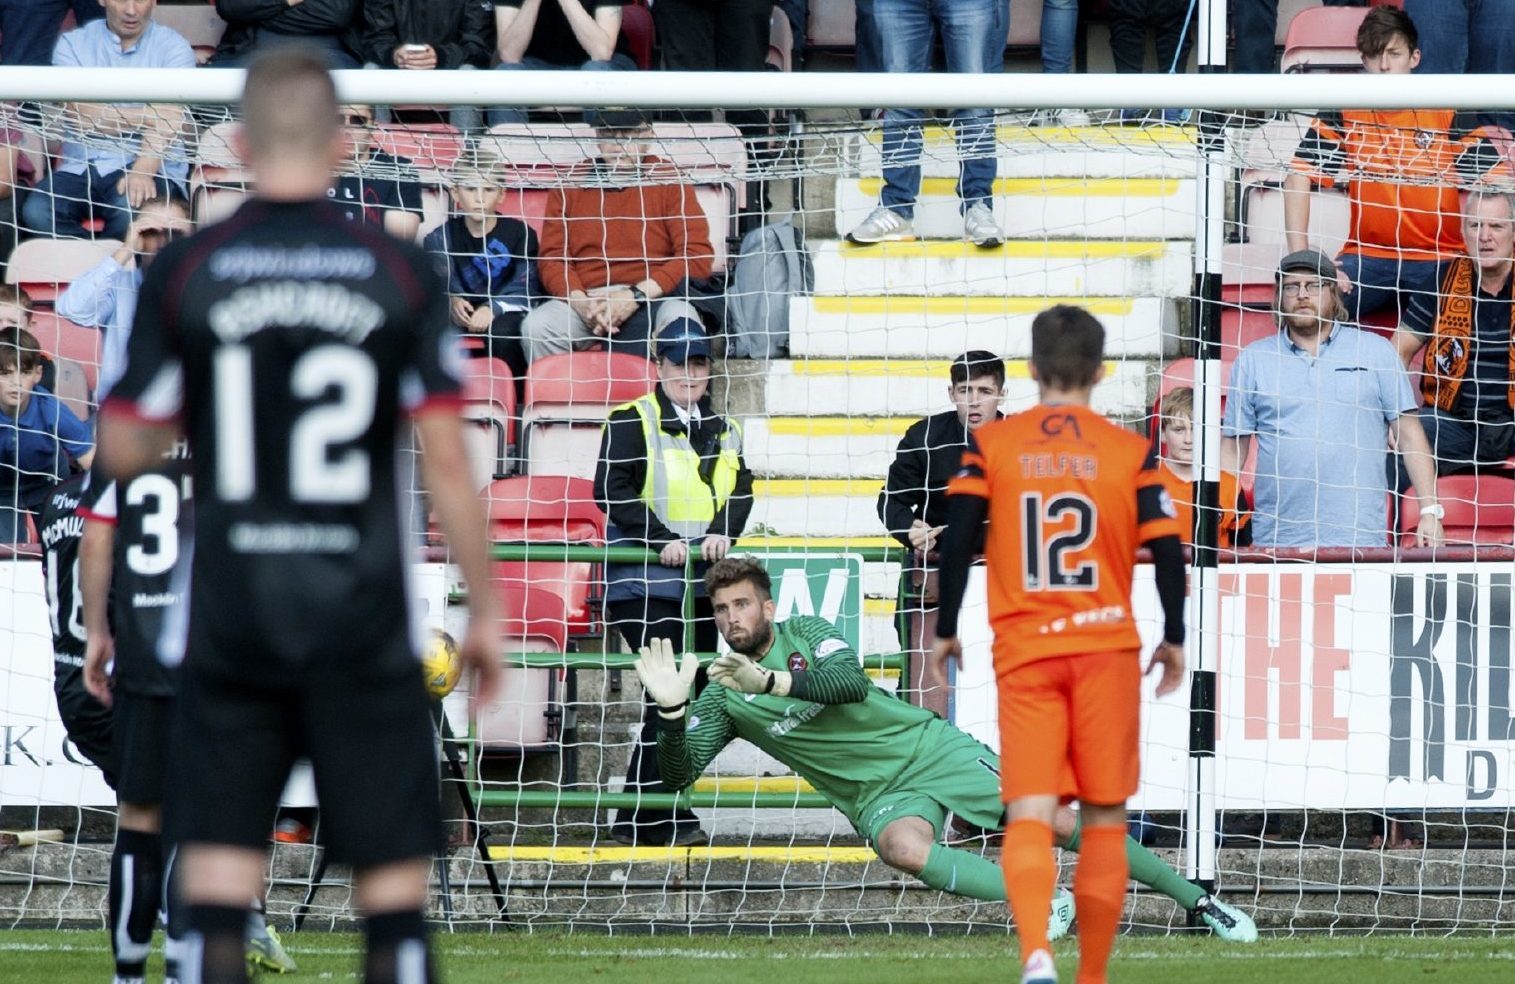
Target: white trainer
[(979, 227), (882, 226), (1039, 969)]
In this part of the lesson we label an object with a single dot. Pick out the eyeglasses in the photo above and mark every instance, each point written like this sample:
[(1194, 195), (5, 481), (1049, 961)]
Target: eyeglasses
[(362, 121), (1308, 287)]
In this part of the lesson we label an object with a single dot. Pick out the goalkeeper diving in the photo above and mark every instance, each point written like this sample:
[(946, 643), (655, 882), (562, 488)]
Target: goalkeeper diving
[(796, 690)]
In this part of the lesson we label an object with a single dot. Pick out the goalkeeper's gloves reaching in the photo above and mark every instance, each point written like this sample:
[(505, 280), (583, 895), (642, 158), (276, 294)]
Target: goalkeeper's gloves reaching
[(737, 672), (666, 679)]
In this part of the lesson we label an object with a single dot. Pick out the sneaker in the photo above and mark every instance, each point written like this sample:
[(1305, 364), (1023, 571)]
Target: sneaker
[(1061, 919), (883, 226), (1072, 117), (266, 952), (1039, 969), (979, 227), (1226, 921), (292, 831)]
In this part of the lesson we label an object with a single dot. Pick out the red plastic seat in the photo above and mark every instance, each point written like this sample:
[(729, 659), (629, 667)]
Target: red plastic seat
[(1480, 510), (69, 341), (589, 378), (489, 400), (1324, 39), (641, 35), (43, 267), (545, 509)]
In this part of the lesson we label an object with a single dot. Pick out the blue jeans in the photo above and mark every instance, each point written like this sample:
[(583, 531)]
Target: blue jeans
[(1476, 37), (1059, 28), (61, 204), (1378, 282), (517, 114), (29, 28), (973, 38), (867, 48), (1457, 444)]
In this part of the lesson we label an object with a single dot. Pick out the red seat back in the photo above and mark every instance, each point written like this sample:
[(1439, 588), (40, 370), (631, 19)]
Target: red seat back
[(67, 340), (636, 24), (1480, 509), (545, 509), (599, 378)]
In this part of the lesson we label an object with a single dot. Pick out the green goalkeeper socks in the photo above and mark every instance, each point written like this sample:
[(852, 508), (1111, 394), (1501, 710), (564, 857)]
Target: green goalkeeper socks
[(949, 869), (1149, 869)]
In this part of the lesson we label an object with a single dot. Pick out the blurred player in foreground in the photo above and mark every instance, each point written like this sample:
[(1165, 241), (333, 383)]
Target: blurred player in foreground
[(288, 344), (796, 690), (1069, 497)]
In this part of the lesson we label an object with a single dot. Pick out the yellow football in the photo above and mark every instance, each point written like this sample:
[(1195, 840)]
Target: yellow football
[(440, 664)]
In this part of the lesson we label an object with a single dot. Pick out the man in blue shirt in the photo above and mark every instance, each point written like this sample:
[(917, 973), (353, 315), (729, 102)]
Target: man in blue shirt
[(104, 297), (115, 156), (39, 436), (1325, 402)]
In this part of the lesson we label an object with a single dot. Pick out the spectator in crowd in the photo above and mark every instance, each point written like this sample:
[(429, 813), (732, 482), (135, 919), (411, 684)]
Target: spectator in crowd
[(29, 28), (422, 35), (257, 25), (1403, 163), (1473, 36), (670, 478), (547, 35), (489, 260), (39, 437), (133, 151), (620, 245), (1325, 401), (377, 187), (1255, 26), (1467, 376), (16, 172), (105, 296), (1059, 31), (15, 307), (1176, 469), (973, 38), (1170, 24), (732, 36)]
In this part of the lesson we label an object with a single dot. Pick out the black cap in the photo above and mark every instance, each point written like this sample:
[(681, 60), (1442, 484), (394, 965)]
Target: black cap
[(616, 119), (1308, 261), (683, 340)]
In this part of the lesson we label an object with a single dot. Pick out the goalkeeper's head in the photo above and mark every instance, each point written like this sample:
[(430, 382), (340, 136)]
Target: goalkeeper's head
[(741, 593)]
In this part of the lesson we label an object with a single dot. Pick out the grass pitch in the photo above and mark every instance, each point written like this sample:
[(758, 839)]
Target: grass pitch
[(475, 958)]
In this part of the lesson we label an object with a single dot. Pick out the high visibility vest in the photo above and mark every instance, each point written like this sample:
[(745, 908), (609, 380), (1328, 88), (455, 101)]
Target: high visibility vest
[(673, 489)]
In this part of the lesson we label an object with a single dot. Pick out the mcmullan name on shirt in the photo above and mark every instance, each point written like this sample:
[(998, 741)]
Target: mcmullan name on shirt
[(1051, 465), (330, 308), (306, 263)]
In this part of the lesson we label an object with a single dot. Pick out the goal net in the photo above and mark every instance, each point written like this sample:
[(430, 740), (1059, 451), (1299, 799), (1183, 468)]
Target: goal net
[(1342, 760)]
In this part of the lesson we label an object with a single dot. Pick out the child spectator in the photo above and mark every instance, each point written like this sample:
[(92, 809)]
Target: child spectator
[(15, 307), (490, 261), (1177, 474), (39, 436), (377, 188)]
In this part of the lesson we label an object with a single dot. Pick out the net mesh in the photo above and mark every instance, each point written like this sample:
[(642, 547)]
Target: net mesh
[(1364, 731)]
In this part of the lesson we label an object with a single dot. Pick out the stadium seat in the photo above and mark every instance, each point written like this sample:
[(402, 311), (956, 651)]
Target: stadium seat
[(641, 34), (1240, 327), (1262, 217), (200, 25), (1480, 510), (66, 340), (568, 397), (780, 42), (1323, 39), (547, 509), (520, 717), (1287, 11), (72, 386), (43, 267), (489, 401), (433, 147)]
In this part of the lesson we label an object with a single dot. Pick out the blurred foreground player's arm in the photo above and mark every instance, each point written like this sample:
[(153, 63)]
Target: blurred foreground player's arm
[(96, 556)]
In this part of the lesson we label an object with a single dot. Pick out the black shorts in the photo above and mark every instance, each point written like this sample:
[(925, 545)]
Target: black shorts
[(88, 722), (371, 744), (142, 735)]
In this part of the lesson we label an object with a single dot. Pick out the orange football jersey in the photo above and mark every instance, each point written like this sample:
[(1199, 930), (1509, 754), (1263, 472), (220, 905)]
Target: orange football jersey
[(1232, 519), (1071, 498)]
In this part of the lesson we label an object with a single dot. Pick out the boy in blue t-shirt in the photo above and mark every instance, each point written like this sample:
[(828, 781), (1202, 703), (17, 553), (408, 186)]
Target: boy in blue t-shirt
[(490, 261), (39, 437)]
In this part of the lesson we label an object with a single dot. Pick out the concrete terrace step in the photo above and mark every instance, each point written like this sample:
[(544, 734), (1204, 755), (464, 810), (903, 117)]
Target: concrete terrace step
[(1116, 268), (853, 388), (945, 327), (1034, 152), (825, 506), (1042, 207)]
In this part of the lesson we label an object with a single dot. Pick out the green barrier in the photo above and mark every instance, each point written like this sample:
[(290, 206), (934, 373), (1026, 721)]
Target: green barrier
[(581, 554), (624, 661), (575, 799)]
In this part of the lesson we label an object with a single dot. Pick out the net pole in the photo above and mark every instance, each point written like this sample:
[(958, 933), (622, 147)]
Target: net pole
[(1210, 185)]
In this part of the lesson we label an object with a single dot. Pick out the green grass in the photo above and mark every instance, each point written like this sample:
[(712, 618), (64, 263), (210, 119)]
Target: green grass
[(466, 958)]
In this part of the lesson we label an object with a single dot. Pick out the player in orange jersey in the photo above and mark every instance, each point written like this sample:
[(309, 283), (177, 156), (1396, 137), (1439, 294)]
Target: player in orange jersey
[(1069, 497)]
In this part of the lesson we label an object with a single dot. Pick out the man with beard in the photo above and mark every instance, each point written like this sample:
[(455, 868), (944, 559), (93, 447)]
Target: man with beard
[(1325, 402), (796, 690)]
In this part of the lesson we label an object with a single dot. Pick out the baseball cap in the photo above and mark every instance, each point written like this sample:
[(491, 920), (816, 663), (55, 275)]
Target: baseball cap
[(1308, 261), (616, 119), (683, 340)]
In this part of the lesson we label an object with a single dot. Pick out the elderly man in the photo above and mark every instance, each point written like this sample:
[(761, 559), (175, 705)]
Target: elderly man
[(1468, 370), (618, 250), (115, 156), (671, 478), (1325, 401)]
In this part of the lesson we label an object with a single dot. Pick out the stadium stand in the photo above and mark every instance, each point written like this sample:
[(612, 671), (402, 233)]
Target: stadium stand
[(43, 267), (568, 397), (489, 400), (1480, 510), (200, 25), (1323, 39), (832, 25), (68, 341)]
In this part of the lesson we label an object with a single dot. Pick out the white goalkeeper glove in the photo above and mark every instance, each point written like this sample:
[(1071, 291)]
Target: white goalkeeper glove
[(666, 679), (737, 672)]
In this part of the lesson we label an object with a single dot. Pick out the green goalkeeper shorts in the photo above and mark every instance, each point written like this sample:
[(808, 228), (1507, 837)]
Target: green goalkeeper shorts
[(960, 776)]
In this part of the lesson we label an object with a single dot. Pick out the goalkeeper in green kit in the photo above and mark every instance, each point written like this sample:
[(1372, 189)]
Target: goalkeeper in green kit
[(796, 690)]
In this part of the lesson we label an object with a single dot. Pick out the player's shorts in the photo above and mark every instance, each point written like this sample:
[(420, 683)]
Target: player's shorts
[(1072, 714), (143, 731), (88, 722), (370, 740), (960, 775)]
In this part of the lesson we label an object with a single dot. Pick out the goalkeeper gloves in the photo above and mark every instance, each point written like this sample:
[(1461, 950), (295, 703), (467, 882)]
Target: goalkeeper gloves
[(737, 672), (666, 679)]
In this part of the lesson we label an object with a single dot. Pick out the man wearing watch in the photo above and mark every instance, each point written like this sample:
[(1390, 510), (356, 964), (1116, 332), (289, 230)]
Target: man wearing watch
[(622, 239), (1325, 402)]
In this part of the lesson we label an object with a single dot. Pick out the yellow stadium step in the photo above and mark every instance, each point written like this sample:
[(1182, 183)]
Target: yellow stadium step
[(621, 855)]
